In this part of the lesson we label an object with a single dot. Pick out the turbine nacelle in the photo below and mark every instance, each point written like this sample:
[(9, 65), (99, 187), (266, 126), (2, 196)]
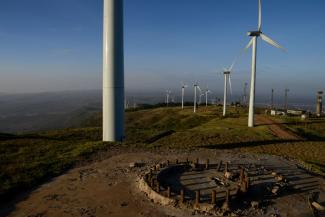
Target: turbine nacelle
[(254, 33), (184, 85), (226, 72)]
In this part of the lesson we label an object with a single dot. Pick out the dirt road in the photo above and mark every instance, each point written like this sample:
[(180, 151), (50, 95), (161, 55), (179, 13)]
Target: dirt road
[(276, 128)]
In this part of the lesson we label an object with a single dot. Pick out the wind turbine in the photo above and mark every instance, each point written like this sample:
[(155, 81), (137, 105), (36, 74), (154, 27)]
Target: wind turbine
[(207, 91), (196, 86), (253, 43), (168, 92), (226, 73), (183, 91), (200, 98)]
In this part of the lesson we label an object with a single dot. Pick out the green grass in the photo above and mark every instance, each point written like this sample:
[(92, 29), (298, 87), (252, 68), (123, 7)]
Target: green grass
[(312, 129), (28, 159), (311, 151)]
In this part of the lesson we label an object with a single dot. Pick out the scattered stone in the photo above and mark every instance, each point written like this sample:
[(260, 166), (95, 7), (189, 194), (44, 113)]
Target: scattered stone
[(255, 204), (133, 164), (228, 175), (275, 189), (225, 206), (274, 173), (219, 181), (318, 206), (279, 178)]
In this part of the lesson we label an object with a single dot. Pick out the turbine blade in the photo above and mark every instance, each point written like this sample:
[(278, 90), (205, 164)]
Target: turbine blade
[(259, 15), (249, 44), (198, 87), (271, 42), (232, 65)]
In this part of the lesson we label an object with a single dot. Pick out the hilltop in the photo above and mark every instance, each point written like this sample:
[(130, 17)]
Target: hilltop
[(28, 159)]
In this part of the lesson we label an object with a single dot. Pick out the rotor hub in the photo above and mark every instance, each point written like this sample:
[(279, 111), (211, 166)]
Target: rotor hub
[(254, 33)]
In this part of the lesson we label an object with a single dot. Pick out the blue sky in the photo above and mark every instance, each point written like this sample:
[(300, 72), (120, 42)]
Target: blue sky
[(53, 45)]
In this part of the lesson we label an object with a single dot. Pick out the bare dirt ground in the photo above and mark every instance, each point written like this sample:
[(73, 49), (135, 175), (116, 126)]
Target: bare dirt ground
[(109, 188), (275, 128)]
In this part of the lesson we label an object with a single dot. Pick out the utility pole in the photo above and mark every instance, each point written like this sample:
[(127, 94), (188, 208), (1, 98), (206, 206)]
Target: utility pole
[(319, 103), (245, 94), (272, 99), (286, 99)]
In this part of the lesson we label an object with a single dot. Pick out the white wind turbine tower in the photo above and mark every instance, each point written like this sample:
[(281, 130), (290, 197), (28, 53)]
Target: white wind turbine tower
[(113, 71), (183, 92), (226, 73), (207, 91), (168, 92), (253, 43), (196, 86), (200, 98)]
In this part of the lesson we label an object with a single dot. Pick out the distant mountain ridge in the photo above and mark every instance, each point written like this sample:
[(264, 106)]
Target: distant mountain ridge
[(56, 110), (46, 111)]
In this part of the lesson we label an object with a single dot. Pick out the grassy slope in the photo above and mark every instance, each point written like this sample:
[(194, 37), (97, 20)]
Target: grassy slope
[(310, 151), (27, 159)]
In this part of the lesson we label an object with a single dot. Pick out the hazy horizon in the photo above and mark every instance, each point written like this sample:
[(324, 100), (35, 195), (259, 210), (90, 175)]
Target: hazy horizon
[(152, 97), (56, 110)]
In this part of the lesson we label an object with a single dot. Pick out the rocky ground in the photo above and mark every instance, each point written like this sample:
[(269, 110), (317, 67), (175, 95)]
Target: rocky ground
[(108, 187)]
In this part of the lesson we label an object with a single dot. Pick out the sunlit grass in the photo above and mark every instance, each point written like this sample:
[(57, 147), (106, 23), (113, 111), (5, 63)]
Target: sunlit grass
[(28, 159)]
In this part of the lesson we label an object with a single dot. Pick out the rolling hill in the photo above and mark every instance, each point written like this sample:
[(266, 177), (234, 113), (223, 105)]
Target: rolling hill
[(28, 159)]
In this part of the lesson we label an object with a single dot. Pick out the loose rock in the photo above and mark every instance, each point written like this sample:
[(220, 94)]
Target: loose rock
[(255, 204)]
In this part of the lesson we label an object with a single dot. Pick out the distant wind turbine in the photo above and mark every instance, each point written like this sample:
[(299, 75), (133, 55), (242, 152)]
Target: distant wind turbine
[(168, 92), (196, 87), (183, 92), (227, 73), (207, 91), (200, 98), (253, 43)]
